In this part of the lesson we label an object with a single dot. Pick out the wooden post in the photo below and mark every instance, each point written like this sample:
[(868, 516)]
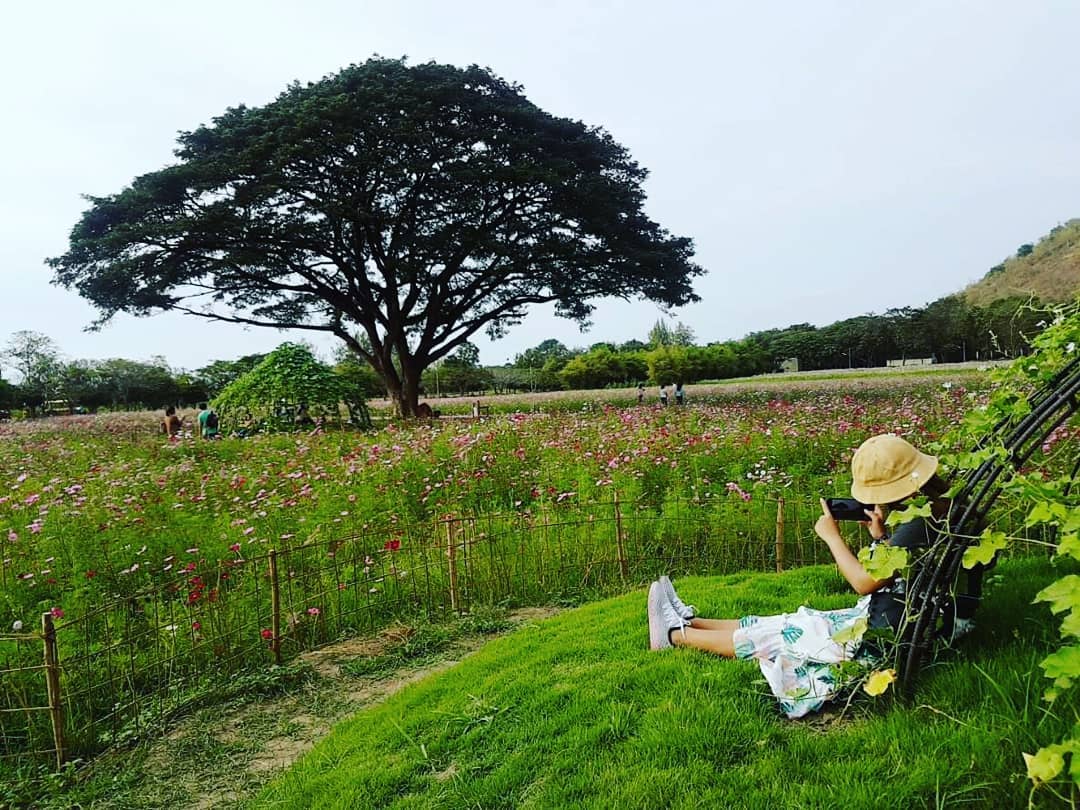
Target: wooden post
[(52, 684), (624, 570), (451, 556), (779, 534), (275, 608)]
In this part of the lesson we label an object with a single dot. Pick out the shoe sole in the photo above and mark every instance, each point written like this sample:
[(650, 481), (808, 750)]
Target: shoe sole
[(658, 634)]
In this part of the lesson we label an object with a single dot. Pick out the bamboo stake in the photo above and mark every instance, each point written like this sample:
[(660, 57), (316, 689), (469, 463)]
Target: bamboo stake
[(52, 684), (624, 570), (451, 564), (275, 608), (779, 534)]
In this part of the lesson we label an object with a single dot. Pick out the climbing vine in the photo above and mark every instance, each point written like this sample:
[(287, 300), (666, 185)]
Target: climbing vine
[(289, 379), (1051, 498), (1048, 492)]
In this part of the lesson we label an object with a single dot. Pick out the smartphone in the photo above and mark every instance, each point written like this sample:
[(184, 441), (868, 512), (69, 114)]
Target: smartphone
[(848, 508)]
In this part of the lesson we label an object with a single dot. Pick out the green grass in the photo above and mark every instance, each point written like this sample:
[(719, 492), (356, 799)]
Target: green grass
[(576, 712)]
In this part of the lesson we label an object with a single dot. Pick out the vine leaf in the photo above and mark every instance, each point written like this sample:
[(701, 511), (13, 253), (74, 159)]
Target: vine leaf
[(983, 552), (879, 681), (851, 633), (1070, 625), (1071, 523), (1045, 764), (1063, 594), (1069, 546), (1042, 512), (915, 510), (1063, 666), (882, 561)]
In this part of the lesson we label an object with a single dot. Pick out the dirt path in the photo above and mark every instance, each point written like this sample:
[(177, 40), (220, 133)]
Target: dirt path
[(221, 756)]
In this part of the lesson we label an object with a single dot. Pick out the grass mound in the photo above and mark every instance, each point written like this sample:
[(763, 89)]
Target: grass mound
[(575, 711)]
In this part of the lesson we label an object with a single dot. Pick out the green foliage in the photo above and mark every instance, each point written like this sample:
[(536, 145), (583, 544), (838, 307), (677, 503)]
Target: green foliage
[(983, 552), (460, 373), (883, 561), (216, 376), (543, 354), (37, 360), (269, 396), (601, 367), (663, 335)]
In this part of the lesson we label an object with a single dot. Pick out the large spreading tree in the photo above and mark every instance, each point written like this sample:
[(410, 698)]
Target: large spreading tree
[(400, 208)]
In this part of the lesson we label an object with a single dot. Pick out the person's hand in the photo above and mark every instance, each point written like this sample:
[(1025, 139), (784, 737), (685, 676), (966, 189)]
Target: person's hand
[(875, 522), (826, 527)]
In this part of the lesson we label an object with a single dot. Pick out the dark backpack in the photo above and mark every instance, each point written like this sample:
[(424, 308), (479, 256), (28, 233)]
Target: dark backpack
[(212, 420)]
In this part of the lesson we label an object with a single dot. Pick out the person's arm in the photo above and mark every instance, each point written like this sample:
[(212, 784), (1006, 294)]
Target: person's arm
[(829, 531)]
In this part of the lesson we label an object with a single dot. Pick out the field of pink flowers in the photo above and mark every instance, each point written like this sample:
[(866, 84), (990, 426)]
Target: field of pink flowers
[(94, 507)]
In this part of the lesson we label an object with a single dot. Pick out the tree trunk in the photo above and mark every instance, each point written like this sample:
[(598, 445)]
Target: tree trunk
[(404, 393), (409, 394)]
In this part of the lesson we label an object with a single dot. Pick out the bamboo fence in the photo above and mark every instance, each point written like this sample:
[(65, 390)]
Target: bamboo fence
[(122, 670)]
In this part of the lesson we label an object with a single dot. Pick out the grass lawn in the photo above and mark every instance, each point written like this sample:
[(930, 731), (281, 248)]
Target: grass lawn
[(575, 711)]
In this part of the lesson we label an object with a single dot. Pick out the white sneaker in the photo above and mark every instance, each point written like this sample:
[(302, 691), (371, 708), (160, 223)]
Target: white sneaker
[(960, 628), (662, 619), (684, 610)]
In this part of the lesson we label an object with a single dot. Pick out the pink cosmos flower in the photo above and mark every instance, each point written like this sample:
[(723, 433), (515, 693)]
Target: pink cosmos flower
[(57, 613), (313, 611)]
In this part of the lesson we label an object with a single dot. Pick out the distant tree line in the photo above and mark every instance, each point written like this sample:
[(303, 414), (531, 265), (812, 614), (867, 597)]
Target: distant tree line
[(46, 382), (947, 330)]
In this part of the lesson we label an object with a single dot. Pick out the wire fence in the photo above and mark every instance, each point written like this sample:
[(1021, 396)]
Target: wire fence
[(85, 683)]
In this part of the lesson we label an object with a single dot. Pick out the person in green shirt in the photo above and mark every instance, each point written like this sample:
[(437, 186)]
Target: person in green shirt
[(208, 422)]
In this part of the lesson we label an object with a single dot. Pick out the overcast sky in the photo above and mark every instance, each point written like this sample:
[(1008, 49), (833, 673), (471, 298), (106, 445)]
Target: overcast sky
[(828, 160)]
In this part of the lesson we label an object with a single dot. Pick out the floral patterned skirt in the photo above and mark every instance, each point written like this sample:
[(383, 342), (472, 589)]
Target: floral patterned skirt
[(799, 652)]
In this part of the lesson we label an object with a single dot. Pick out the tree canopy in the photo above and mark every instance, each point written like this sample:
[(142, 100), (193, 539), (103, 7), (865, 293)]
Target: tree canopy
[(401, 208)]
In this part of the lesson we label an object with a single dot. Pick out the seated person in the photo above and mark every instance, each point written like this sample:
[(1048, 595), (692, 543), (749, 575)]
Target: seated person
[(172, 424), (797, 652)]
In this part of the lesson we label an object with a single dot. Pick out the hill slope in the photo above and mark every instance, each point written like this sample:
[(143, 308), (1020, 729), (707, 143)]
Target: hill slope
[(1050, 270)]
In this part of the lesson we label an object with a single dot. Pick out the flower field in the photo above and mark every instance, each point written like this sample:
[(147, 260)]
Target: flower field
[(152, 556), (93, 507)]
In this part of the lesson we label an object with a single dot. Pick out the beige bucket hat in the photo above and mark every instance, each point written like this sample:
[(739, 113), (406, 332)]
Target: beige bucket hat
[(886, 469)]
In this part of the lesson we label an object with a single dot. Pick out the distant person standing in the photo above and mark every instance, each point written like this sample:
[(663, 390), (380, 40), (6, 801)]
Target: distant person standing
[(680, 394), (208, 422), (171, 424), (640, 394), (663, 395)]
